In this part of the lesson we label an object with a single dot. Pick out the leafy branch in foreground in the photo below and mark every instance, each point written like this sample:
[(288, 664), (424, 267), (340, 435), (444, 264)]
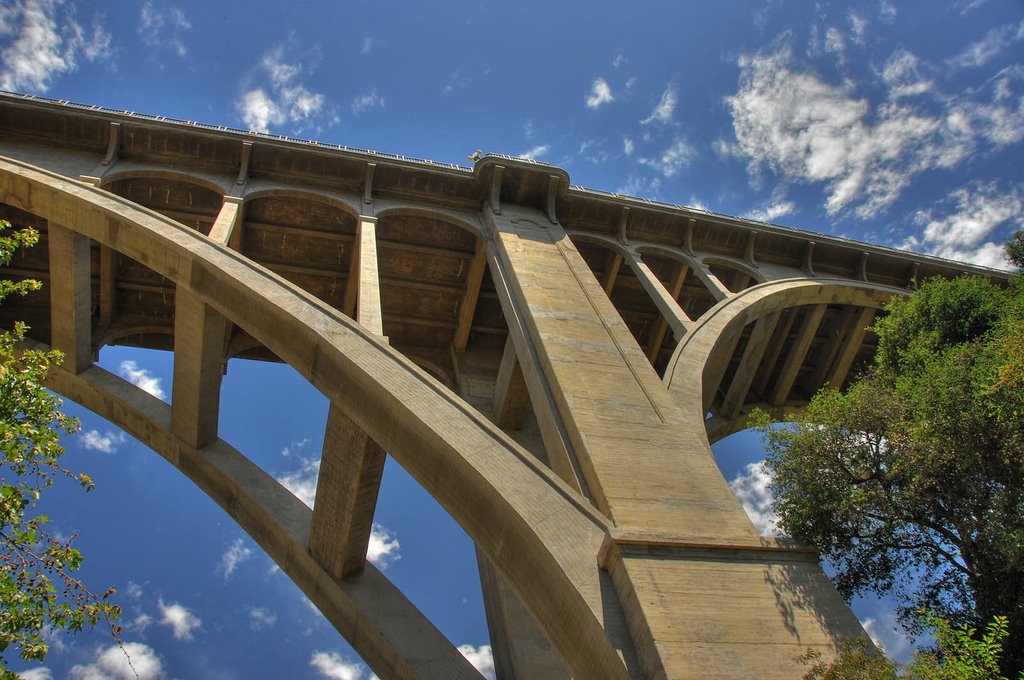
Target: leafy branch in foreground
[(959, 654), (37, 589), (912, 480)]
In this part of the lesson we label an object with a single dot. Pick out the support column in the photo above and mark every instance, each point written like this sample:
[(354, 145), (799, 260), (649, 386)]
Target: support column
[(364, 280), (657, 338), (474, 277), (682, 549), (854, 335), (510, 395), (346, 496), (198, 368), (224, 226), (70, 297)]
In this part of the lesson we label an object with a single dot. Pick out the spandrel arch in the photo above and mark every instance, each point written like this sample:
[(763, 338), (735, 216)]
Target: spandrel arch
[(516, 511)]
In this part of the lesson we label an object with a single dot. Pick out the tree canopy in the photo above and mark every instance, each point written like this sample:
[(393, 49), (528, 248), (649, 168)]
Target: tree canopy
[(38, 591), (912, 481)]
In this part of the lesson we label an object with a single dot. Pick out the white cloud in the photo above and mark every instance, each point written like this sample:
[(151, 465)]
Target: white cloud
[(140, 623), (133, 590), (302, 482), (600, 93), (752, 487), (285, 100), (367, 101), (48, 42), (142, 378), (858, 27), (261, 617), (40, 673), (331, 665), (628, 147), (640, 186), (295, 447), (808, 130), (179, 619), (163, 26), (106, 443), (835, 42), (112, 664), (995, 41), (773, 210), (236, 553), (676, 157), (888, 634), (665, 109), (481, 658), (383, 548), (534, 153), (965, 232), (901, 76), (367, 45)]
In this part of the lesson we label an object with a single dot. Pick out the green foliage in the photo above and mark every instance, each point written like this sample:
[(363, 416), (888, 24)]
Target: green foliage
[(912, 481), (959, 654), (37, 589), (1015, 248)]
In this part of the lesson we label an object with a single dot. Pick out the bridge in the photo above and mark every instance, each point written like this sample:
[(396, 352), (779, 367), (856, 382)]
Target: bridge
[(550, 363)]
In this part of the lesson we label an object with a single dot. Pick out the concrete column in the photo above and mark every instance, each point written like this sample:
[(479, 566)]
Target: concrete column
[(227, 220), (368, 312), (70, 297), (657, 337), (757, 344), (346, 496), (662, 298), (108, 285), (474, 277), (510, 395), (853, 337), (198, 368)]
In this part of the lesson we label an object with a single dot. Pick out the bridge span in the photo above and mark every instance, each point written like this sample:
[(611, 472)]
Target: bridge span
[(551, 363)]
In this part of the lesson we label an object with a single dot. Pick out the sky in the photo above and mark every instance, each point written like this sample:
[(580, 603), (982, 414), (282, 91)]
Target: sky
[(900, 124)]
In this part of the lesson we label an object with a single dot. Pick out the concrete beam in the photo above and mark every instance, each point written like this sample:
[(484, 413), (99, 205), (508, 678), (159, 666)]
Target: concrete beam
[(757, 345), (346, 496), (771, 356), (510, 395), (108, 285), (804, 338), (467, 307), (657, 337), (198, 368), (662, 298), (854, 335), (611, 272), (70, 297)]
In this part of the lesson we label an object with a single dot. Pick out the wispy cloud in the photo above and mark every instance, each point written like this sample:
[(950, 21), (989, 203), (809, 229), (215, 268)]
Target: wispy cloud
[(888, 634), (366, 101), (39, 673), (42, 40), (113, 663), (236, 554), (600, 93), (142, 378), (383, 549), (283, 99), (772, 210), (335, 667), (677, 156), (534, 153), (367, 46), (105, 443), (665, 109), (795, 124), (628, 146), (901, 75), (481, 658), (643, 187), (261, 618), (164, 26), (179, 619), (752, 487), (983, 51), (963, 225)]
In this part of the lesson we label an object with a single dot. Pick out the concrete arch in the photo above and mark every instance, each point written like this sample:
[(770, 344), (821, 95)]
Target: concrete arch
[(609, 242), (117, 331), (333, 200), (142, 172), (543, 537), (667, 252), (734, 263), (726, 320), (451, 217)]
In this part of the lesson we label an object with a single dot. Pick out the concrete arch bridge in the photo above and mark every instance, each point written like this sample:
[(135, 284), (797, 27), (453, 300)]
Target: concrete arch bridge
[(549, 362)]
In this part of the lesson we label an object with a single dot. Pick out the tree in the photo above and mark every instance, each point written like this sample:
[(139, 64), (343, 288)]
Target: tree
[(912, 481), (37, 589)]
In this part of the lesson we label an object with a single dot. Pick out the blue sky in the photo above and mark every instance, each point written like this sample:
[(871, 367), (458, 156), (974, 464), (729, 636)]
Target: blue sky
[(899, 124)]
